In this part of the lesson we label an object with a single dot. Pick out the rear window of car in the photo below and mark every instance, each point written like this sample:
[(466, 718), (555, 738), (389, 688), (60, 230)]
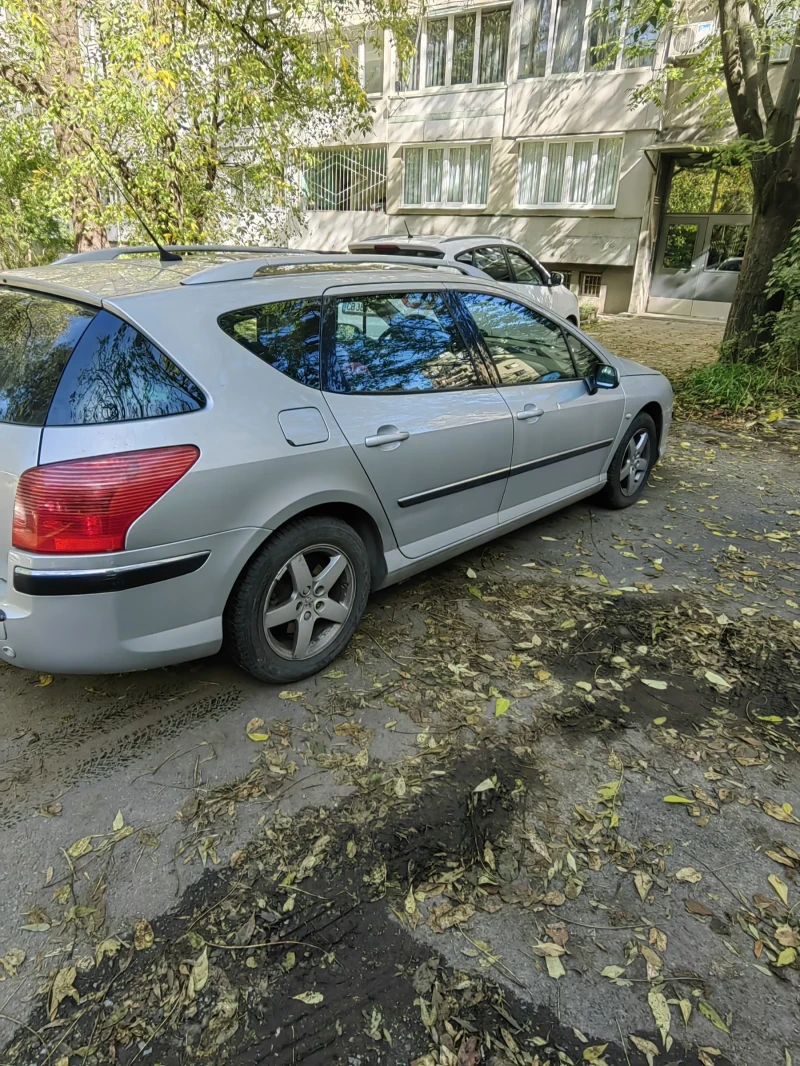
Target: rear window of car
[(117, 375), (38, 333), (285, 334)]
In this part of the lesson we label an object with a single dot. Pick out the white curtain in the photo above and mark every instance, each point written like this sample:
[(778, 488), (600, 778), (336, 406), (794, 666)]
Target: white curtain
[(530, 172), (412, 190), (494, 47), (607, 171), (479, 155), (554, 182), (436, 52), (579, 178), (455, 180), (435, 168)]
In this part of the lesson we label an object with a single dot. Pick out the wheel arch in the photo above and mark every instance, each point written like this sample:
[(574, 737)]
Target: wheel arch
[(358, 517), (656, 412)]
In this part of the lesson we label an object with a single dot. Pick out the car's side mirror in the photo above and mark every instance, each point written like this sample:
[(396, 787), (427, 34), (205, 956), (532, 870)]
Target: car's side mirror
[(604, 377), (556, 278)]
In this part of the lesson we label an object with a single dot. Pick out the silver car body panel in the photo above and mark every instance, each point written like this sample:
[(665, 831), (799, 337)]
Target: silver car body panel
[(272, 449)]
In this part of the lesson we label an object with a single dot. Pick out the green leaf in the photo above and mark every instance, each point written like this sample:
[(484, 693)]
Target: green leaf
[(501, 706), (708, 1012), (678, 799)]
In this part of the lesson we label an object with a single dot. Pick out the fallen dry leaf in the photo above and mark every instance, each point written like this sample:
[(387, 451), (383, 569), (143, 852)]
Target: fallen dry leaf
[(688, 875), (713, 1016), (310, 997), (694, 906), (784, 934), (779, 813), (143, 936), (660, 1009), (643, 882), (63, 988), (555, 967)]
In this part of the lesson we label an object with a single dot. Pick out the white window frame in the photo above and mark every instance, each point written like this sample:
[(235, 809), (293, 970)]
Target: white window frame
[(582, 68), (422, 63), (564, 203), (445, 148)]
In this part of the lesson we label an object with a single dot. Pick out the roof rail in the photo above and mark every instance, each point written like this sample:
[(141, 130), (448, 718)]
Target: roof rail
[(105, 254), (244, 269)]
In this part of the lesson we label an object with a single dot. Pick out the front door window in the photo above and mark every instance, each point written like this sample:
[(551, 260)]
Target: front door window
[(525, 347)]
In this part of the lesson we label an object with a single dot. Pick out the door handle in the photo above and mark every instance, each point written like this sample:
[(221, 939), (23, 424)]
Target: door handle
[(529, 412), (397, 437)]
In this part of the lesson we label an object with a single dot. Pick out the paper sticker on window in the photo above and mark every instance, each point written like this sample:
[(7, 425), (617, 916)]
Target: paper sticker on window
[(353, 307)]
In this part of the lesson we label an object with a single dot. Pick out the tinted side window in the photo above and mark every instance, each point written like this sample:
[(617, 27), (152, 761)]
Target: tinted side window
[(524, 271), (525, 346), (398, 343), (37, 336), (584, 358), (285, 334), (116, 375), (493, 261)]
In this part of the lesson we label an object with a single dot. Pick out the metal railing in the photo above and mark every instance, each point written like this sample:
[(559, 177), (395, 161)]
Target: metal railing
[(245, 269)]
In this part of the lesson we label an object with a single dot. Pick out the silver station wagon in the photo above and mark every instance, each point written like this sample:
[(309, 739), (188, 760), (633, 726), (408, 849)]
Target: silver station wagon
[(235, 447)]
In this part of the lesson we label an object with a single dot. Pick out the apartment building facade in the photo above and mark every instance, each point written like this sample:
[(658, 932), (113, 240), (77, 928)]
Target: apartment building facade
[(517, 120)]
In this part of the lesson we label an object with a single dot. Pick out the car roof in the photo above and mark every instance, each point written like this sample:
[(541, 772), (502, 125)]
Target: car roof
[(451, 245), (93, 281)]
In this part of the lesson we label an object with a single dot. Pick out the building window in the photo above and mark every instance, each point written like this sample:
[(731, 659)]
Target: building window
[(456, 175), (344, 179), (534, 33), (704, 190), (466, 49), (572, 173), (590, 284), (568, 36), (365, 52), (567, 276), (604, 35)]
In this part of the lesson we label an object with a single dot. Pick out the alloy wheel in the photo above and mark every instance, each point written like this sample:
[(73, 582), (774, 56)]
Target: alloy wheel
[(309, 601)]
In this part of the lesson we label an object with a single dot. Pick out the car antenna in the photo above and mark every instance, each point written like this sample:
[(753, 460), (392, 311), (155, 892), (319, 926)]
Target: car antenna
[(164, 255), (408, 231)]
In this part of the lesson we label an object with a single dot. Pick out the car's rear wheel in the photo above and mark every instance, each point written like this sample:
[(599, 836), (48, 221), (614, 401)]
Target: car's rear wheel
[(633, 460), (299, 601)]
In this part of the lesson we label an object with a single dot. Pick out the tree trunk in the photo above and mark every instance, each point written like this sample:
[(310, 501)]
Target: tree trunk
[(776, 209)]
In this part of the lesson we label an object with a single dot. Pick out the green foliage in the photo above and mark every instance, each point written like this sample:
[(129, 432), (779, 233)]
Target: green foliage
[(784, 324), (739, 390), (32, 214), (173, 100)]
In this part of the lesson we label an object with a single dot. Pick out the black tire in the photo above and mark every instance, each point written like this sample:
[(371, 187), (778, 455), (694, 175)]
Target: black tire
[(620, 491), (244, 633)]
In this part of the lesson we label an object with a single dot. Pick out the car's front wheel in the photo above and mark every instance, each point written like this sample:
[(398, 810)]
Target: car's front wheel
[(633, 460), (299, 601)]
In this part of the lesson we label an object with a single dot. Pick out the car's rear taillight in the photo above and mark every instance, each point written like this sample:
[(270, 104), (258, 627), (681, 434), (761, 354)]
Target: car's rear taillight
[(88, 505)]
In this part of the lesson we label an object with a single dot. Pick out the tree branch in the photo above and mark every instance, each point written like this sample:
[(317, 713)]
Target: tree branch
[(764, 55), (25, 85), (781, 128), (741, 69)]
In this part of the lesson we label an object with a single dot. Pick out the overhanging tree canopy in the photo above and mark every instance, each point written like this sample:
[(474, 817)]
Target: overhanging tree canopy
[(170, 100)]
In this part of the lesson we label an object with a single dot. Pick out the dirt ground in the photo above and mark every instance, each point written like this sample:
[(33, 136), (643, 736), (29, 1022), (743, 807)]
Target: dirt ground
[(670, 345), (544, 810)]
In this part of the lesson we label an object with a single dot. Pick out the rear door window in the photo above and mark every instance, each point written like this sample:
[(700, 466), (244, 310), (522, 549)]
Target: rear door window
[(285, 334), (493, 261), (398, 342), (37, 336), (117, 375)]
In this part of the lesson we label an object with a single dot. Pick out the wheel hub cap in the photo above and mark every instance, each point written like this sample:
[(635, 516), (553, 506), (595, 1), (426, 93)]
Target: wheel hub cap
[(309, 601)]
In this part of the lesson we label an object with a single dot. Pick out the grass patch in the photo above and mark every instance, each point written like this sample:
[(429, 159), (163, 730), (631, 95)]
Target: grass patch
[(738, 390)]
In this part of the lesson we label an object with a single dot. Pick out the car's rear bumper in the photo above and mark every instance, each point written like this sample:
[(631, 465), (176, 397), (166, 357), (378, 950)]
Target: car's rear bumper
[(132, 611)]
